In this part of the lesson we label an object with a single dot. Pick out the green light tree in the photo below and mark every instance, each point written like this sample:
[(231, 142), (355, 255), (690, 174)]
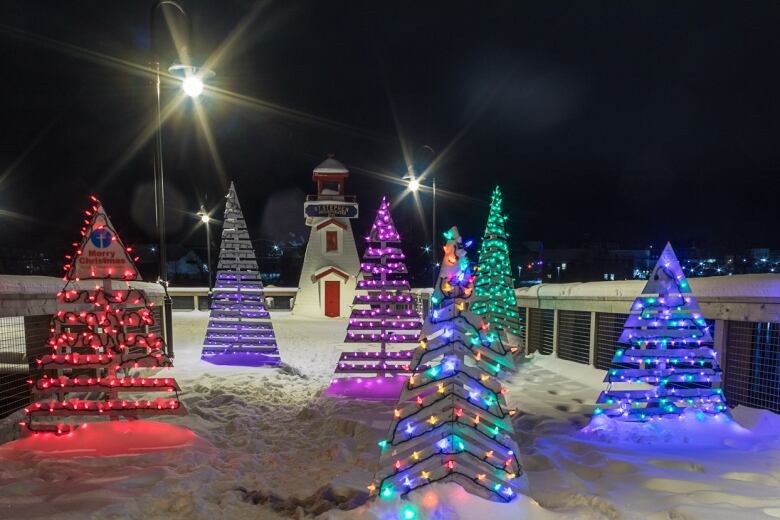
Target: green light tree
[(494, 289)]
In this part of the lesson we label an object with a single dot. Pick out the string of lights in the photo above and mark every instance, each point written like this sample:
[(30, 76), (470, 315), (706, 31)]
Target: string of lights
[(239, 331), (388, 321), (98, 337), (666, 345), (494, 288), (451, 422)]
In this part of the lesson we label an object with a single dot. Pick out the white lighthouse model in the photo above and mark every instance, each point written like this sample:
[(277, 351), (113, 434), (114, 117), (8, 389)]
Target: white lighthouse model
[(331, 264)]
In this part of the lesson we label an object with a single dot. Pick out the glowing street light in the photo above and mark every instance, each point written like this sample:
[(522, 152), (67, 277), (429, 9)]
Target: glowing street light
[(192, 83), (413, 183), (192, 78), (204, 217), (192, 86)]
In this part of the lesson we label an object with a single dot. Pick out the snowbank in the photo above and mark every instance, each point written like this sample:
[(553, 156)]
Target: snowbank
[(445, 501), (271, 445), (690, 428)]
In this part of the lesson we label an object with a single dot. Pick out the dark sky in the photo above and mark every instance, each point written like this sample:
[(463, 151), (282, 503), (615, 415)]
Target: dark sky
[(628, 122)]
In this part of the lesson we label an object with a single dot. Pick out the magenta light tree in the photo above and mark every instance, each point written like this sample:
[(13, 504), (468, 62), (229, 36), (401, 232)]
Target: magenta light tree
[(239, 331), (383, 315), (664, 363)]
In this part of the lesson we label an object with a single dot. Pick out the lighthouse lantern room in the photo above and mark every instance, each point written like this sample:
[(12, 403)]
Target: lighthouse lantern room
[(331, 263)]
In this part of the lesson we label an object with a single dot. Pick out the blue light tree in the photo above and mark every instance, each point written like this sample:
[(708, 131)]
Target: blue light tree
[(665, 350), (239, 331), (452, 422)]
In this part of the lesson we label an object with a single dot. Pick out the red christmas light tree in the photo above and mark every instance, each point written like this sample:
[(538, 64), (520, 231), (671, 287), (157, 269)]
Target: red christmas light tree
[(99, 336), (386, 316)]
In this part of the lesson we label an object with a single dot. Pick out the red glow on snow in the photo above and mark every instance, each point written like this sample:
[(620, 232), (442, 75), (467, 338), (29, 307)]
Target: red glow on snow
[(105, 439)]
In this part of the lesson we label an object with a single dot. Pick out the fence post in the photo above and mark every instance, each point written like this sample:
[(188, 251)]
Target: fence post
[(527, 311), (719, 335), (556, 316), (592, 339)]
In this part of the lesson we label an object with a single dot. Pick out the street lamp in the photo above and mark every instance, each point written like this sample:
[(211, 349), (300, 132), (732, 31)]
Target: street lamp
[(191, 78), (414, 186), (205, 219), (192, 86), (192, 83)]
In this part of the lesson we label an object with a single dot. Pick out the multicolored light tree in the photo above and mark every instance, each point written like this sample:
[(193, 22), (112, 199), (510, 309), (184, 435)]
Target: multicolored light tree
[(494, 289), (666, 344), (99, 336), (239, 331), (451, 422), (383, 315)]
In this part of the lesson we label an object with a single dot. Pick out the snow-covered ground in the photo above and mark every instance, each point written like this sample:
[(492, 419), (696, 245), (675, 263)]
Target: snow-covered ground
[(270, 445)]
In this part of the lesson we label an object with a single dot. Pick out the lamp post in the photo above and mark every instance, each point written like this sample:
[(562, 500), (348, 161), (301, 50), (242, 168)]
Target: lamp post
[(414, 186), (192, 84), (205, 219)]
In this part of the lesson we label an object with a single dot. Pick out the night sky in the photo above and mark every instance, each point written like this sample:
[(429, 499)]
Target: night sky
[(619, 122)]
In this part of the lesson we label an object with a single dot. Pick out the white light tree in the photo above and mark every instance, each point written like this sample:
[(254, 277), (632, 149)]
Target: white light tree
[(239, 331)]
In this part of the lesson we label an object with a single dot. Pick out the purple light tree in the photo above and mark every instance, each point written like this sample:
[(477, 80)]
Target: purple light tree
[(384, 316), (666, 345), (239, 330)]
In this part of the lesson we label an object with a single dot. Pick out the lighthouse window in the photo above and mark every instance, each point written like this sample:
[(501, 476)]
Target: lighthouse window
[(331, 241), (331, 188)]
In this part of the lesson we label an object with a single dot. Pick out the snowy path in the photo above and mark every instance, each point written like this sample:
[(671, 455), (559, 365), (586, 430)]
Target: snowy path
[(270, 444)]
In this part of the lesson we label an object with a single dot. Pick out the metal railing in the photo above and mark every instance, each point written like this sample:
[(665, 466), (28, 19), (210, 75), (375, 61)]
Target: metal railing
[(26, 306), (609, 327), (574, 336), (192, 298), (541, 331), (582, 323), (22, 340), (577, 322), (752, 364)]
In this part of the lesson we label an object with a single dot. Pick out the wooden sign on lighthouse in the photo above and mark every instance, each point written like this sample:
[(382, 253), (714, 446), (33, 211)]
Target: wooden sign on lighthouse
[(331, 264)]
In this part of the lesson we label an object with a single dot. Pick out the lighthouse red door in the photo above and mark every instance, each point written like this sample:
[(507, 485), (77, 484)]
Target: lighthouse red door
[(332, 299)]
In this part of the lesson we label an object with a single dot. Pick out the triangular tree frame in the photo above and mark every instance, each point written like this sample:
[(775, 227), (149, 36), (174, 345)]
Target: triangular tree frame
[(667, 349), (239, 330), (383, 314), (452, 422)]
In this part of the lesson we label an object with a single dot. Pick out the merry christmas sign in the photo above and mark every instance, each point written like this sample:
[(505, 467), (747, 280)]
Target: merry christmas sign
[(101, 253)]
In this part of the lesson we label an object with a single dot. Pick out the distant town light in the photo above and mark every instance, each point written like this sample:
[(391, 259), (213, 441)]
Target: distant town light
[(414, 185)]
